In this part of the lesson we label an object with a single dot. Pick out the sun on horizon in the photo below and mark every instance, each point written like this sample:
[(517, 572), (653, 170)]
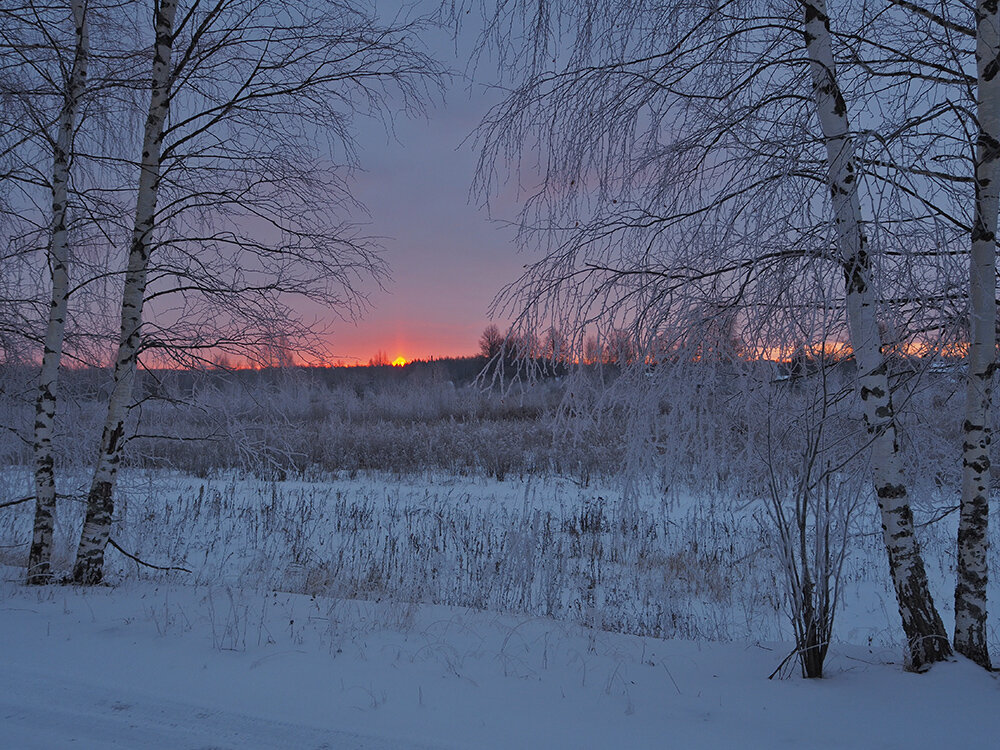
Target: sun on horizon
[(400, 361)]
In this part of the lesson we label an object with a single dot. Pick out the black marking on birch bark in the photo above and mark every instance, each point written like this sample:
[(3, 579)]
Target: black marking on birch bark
[(813, 14), (875, 391), (990, 70), (839, 105), (975, 514), (892, 492), (115, 436), (855, 271), (89, 568), (926, 636), (969, 592), (89, 571), (980, 465), (973, 582), (973, 612), (980, 232), (990, 148)]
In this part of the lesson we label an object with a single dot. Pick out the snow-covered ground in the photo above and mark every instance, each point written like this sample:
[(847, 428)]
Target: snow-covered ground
[(153, 666), (402, 612)]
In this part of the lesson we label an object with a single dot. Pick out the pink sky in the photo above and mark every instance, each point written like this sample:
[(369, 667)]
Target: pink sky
[(447, 259)]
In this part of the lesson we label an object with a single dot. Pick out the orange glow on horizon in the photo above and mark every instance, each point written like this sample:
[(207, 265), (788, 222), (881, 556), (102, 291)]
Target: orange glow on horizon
[(842, 350), (785, 353), (831, 350)]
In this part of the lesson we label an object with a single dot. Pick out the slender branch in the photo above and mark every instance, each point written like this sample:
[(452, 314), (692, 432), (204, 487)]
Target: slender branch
[(130, 556), (941, 21), (9, 503)]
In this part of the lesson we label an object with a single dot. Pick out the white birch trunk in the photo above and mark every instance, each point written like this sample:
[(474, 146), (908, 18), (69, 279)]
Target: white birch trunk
[(39, 557), (926, 637), (973, 542), (89, 567)]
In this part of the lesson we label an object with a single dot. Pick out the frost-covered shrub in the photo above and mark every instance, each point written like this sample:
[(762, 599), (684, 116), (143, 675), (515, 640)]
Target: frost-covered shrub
[(697, 425)]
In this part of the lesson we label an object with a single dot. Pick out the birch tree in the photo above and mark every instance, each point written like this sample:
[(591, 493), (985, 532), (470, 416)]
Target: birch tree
[(952, 48), (973, 540), (39, 558), (52, 218), (97, 524), (926, 636), (243, 192), (697, 164)]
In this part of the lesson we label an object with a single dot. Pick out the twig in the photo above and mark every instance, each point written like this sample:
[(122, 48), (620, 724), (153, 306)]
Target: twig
[(940, 516), (32, 497), (17, 502), (783, 663), (130, 556)]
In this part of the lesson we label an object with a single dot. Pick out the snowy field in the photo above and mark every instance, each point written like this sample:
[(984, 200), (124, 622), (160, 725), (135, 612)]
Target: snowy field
[(153, 666), (389, 612)]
